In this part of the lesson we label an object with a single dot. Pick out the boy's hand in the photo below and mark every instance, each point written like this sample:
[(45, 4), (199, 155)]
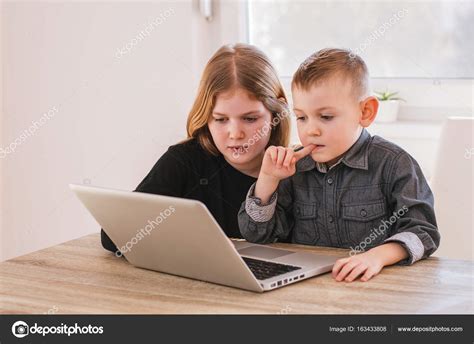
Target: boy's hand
[(367, 265), (278, 163)]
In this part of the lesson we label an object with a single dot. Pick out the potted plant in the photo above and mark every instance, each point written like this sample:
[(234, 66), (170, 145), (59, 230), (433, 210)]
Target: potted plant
[(389, 104)]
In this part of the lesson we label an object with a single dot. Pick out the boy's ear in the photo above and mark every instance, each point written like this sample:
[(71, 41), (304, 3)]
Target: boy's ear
[(369, 107)]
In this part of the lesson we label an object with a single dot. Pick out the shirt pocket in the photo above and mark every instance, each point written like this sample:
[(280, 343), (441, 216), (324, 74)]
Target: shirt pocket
[(361, 220), (305, 230)]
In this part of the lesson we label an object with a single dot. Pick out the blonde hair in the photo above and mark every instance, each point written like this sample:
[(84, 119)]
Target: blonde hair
[(329, 62), (244, 66)]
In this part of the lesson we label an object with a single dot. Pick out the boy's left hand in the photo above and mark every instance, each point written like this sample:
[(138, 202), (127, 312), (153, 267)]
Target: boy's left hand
[(367, 265)]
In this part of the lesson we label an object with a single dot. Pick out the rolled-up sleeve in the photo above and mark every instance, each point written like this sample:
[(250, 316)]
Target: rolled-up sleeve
[(413, 203), (266, 223), (256, 210)]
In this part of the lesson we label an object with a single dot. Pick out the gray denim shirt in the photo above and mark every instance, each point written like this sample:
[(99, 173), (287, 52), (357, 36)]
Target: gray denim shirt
[(375, 194)]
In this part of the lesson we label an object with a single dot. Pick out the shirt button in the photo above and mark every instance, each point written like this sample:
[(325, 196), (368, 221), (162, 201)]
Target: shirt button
[(330, 181), (330, 219), (363, 213)]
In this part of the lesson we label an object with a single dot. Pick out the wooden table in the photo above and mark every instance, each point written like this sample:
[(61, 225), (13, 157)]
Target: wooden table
[(79, 276)]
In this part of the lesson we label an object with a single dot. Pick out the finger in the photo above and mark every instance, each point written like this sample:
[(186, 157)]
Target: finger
[(288, 158), (292, 164), (356, 272), (281, 156), (345, 270), (273, 153), (369, 273), (304, 152), (338, 266)]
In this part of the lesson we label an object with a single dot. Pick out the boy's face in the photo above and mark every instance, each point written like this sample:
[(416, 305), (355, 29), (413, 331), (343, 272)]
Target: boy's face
[(330, 116)]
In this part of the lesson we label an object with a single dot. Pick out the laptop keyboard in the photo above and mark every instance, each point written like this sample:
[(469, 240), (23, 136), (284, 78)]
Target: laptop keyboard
[(264, 270)]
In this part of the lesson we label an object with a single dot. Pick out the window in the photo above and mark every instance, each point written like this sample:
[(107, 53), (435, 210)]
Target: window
[(422, 39)]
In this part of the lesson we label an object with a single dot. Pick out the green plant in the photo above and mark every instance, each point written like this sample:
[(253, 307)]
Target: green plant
[(385, 96)]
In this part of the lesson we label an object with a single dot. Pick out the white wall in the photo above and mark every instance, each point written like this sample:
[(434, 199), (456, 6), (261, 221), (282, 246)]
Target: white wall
[(111, 117), (115, 115), (1, 130)]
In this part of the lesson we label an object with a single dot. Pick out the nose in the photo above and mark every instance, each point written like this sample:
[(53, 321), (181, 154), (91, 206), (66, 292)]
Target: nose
[(235, 131), (313, 130)]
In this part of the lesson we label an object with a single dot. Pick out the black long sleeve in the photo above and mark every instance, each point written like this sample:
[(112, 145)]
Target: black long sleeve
[(186, 170)]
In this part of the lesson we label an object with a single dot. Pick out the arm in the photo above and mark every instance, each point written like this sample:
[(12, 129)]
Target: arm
[(266, 223), (263, 215), (167, 177), (414, 235), (411, 197)]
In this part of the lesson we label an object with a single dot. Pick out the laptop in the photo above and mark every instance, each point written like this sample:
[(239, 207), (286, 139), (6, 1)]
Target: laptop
[(180, 237)]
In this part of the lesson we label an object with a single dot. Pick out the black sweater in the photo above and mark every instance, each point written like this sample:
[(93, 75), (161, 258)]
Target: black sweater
[(186, 170)]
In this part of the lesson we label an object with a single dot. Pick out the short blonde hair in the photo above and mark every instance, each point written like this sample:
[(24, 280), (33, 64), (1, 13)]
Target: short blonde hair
[(330, 62), (245, 66)]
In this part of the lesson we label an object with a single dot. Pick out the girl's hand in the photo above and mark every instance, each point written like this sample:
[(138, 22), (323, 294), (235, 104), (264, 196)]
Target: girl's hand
[(367, 265)]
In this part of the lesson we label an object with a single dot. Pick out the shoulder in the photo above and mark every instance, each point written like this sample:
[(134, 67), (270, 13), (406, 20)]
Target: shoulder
[(380, 145), (385, 152), (186, 147), (190, 154)]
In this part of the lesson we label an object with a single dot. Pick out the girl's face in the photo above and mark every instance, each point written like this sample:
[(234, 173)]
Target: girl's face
[(240, 127)]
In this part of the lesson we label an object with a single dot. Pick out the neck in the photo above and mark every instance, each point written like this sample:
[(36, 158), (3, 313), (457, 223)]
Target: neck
[(356, 137), (252, 168)]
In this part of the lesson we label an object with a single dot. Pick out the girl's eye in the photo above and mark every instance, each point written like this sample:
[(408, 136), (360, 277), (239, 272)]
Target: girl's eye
[(219, 119), (250, 119), (327, 117), (300, 118)]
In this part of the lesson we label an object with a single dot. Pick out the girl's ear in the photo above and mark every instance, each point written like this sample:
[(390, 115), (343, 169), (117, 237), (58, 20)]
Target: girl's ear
[(369, 107)]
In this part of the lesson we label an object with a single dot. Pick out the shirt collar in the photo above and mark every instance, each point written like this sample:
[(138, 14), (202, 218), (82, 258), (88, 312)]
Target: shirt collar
[(356, 157)]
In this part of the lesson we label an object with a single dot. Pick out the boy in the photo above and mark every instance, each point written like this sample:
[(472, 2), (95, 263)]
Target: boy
[(345, 188)]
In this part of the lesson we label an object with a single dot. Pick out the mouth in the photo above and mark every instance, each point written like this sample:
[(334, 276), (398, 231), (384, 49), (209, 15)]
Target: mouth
[(236, 149), (318, 147)]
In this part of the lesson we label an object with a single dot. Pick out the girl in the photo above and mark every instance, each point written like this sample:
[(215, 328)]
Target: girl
[(240, 110)]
